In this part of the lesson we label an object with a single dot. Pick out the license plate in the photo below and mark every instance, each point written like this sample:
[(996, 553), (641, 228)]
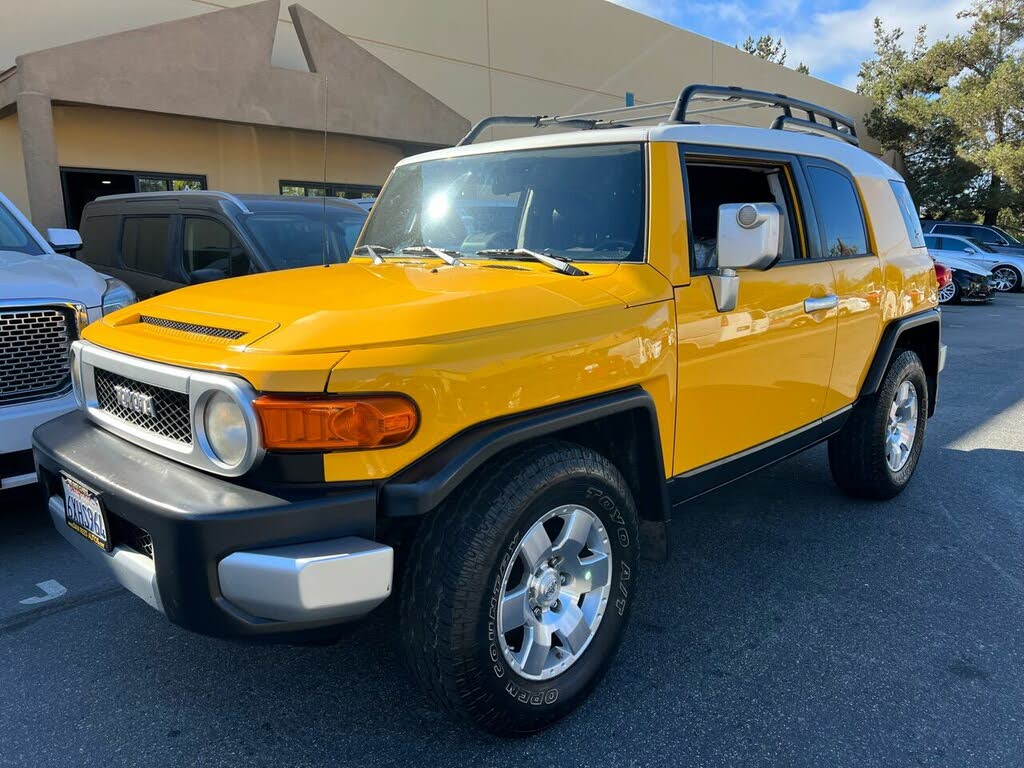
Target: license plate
[(84, 514)]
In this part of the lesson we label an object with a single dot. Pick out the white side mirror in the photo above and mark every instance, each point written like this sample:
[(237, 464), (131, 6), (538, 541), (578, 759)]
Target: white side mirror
[(749, 237), (968, 249), (63, 240)]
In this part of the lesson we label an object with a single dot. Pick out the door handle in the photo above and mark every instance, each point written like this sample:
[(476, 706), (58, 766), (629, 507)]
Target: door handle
[(825, 302)]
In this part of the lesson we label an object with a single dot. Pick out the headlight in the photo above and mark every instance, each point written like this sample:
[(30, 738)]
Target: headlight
[(226, 430), (117, 296)]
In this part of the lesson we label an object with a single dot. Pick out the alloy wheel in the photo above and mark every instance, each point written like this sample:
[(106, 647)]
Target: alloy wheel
[(947, 292), (554, 592), (1005, 278), (901, 427)]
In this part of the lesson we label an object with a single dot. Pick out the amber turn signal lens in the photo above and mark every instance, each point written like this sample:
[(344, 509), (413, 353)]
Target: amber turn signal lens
[(335, 423)]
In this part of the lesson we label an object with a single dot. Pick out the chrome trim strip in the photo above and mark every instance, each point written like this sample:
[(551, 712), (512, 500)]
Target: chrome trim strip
[(16, 480), (767, 444), (198, 385)]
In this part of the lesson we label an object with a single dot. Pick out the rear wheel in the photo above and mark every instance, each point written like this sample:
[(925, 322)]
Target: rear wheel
[(1006, 278), (876, 452), (519, 587)]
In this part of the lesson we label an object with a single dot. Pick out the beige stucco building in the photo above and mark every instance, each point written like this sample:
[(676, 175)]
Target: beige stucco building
[(126, 95)]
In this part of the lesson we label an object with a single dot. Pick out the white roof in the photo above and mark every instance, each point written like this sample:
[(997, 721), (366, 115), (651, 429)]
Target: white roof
[(857, 161)]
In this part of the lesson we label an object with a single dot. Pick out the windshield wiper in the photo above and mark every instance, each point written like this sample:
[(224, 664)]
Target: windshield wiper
[(556, 263), (447, 256), (375, 251)]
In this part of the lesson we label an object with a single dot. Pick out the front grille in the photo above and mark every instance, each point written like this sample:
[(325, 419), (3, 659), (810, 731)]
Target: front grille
[(172, 414), (34, 345), (192, 328)]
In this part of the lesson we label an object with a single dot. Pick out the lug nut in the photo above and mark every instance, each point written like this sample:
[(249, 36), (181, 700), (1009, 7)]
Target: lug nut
[(555, 561), (564, 578), (537, 612)]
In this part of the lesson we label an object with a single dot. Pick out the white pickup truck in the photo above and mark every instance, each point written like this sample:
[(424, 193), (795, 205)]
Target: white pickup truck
[(46, 298)]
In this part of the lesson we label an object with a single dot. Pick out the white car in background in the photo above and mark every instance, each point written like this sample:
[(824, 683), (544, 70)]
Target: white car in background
[(1007, 269), (45, 300)]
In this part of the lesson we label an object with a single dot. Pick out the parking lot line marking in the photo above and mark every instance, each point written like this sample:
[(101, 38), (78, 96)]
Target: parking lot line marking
[(51, 587)]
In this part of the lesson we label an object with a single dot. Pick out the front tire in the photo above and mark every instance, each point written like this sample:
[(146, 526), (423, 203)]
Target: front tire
[(876, 452), (519, 587), (1006, 278)]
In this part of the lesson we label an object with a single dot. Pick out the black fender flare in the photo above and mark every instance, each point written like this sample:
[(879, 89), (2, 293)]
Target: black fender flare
[(890, 341), (424, 484)]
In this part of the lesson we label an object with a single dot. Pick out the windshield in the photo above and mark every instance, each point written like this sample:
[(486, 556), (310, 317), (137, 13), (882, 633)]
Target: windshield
[(1009, 238), (578, 203), (14, 237), (294, 238)]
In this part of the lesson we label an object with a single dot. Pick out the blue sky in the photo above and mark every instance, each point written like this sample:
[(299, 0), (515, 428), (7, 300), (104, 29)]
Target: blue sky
[(831, 36)]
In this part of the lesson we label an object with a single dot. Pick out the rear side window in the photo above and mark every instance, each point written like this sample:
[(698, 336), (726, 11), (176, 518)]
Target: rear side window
[(839, 211), (144, 244), (952, 229), (934, 242), (909, 213), (209, 244), (99, 241)]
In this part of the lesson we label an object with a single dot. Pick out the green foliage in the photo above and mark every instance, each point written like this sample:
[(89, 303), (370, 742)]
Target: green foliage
[(765, 47), (955, 111), (768, 48)]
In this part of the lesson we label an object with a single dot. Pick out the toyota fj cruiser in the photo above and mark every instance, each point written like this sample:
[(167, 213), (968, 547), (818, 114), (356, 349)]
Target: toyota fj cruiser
[(541, 347)]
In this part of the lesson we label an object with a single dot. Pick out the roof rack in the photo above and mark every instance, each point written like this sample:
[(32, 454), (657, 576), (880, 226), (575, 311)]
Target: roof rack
[(209, 192), (837, 125)]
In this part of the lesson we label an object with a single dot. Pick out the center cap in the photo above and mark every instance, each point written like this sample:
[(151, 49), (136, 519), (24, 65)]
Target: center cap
[(549, 586)]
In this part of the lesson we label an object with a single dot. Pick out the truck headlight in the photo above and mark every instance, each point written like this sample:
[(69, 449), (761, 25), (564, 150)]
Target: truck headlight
[(226, 429), (117, 296)]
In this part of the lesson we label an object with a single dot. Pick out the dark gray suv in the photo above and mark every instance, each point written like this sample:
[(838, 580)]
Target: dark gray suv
[(159, 241)]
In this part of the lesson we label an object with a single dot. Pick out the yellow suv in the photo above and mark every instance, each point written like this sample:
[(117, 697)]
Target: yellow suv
[(540, 347)]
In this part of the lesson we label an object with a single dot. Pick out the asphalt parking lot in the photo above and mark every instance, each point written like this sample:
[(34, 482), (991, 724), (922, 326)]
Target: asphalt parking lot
[(792, 626)]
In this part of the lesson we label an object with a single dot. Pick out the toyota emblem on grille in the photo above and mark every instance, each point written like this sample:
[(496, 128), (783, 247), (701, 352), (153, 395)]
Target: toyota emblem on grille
[(135, 401)]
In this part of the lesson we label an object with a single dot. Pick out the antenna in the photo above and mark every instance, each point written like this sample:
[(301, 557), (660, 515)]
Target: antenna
[(323, 217)]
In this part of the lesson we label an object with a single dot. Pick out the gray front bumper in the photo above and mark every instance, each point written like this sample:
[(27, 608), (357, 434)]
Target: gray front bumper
[(334, 579)]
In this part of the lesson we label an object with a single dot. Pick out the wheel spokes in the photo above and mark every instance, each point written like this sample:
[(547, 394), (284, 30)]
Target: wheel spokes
[(535, 547), (533, 655), (573, 537), (588, 573), (514, 609), (572, 628)]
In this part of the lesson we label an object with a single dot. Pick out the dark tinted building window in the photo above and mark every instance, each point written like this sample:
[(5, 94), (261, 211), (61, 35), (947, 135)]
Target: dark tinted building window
[(839, 211), (144, 244), (99, 240), (209, 244)]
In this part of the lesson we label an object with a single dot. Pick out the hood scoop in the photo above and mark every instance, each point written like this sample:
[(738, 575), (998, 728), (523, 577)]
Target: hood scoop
[(192, 331)]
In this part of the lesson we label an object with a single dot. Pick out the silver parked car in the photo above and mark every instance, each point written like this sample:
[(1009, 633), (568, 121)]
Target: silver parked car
[(1007, 268), (995, 237)]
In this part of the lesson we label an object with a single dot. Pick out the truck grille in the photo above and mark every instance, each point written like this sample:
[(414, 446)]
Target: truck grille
[(172, 413), (34, 345)]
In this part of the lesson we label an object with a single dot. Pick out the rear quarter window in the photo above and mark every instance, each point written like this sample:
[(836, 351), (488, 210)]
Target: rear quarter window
[(909, 213), (144, 244), (838, 208), (99, 240)]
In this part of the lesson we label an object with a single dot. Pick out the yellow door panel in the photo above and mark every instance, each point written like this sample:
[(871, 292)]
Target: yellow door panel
[(753, 374), (860, 289)]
